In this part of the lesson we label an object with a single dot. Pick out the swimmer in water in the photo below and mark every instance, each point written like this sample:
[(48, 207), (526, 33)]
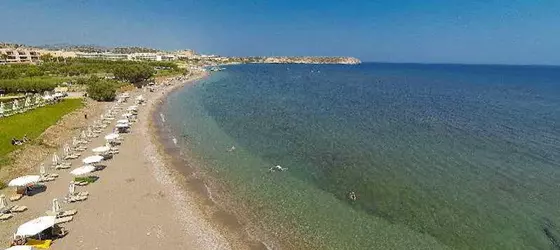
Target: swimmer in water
[(231, 149), (277, 168), (352, 196)]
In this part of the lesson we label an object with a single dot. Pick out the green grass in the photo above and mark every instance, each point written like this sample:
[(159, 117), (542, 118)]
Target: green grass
[(32, 124)]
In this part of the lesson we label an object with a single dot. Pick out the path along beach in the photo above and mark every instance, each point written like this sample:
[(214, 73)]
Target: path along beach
[(137, 202)]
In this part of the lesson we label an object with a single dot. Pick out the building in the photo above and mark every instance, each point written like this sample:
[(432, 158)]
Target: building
[(145, 57), (104, 56), (9, 55)]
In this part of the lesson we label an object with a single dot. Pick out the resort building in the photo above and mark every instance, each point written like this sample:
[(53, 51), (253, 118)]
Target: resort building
[(105, 56), (9, 55)]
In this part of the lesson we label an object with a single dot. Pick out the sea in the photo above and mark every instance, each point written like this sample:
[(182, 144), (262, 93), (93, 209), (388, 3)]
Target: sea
[(437, 156)]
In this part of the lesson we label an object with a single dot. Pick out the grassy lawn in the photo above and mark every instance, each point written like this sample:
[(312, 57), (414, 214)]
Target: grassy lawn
[(32, 124)]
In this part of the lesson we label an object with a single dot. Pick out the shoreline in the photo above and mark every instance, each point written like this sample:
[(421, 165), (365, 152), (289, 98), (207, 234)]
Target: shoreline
[(192, 181)]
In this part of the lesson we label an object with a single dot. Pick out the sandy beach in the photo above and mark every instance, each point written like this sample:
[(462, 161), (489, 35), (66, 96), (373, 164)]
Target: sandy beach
[(137, 202)]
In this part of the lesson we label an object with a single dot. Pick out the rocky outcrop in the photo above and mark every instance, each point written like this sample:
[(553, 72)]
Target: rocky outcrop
[(312, 60)]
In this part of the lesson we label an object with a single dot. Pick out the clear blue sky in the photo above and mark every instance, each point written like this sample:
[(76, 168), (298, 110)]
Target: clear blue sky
[(457, 31)]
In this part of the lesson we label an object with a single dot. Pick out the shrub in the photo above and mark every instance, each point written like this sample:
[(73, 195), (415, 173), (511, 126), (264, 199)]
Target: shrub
[(101, 90)]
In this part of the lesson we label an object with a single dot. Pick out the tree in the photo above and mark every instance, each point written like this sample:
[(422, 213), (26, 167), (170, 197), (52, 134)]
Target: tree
[(101, 89), (133, 73)]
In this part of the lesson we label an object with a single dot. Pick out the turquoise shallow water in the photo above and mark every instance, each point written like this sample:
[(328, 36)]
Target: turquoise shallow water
[(438, 155)]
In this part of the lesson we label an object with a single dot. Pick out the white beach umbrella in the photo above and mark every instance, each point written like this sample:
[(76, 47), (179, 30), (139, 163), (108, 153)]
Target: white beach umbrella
[(112, 136), (66, 149), (140, 98), (55, 208), (56, 159), (37, 99), (21, 248), (101, 150), (42, 170), (35, 226), (92, 159), (83, 134), (86, 169), (127, 115), (24, 180), (75, 141), (72, 188), (132, 108), (3, 201), (123, 121), (27, 102)]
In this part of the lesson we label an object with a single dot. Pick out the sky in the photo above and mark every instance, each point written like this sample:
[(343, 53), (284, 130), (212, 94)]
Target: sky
[(422, 31)]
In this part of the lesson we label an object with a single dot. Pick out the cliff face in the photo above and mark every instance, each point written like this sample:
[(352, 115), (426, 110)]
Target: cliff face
[(312, 60)]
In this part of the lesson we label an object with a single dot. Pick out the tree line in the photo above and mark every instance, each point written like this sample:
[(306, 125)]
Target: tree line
[(21, 78)]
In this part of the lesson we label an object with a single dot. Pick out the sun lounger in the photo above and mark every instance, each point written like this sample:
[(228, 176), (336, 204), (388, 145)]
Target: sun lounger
[(46, 179), (62, 220), (41, 244), (76, 198), (72, 156), (60, 166), (84, 193), (16, 197), (81, 183), (18, 209), (6, 216)]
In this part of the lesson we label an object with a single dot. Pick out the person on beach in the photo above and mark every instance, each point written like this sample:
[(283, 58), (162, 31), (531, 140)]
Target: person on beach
[(85, 116)]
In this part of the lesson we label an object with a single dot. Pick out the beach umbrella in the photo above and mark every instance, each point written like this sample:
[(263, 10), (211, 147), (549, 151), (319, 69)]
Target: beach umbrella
[(86, 169), (127, 115), (56, 159), (102, 117), (92, 159), (83, 134), (72, 188), (75, 141), (15, 104), (21, 248), (112, 136), (55, 208), (132, 108), (3, 201), (42, 170), (24, 180), (123, 121), (27, 102), (66, 149), (35, 226), (101, 150)]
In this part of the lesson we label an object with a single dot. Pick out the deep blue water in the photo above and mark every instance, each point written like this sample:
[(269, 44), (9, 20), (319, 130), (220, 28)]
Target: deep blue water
[(439, 155)]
